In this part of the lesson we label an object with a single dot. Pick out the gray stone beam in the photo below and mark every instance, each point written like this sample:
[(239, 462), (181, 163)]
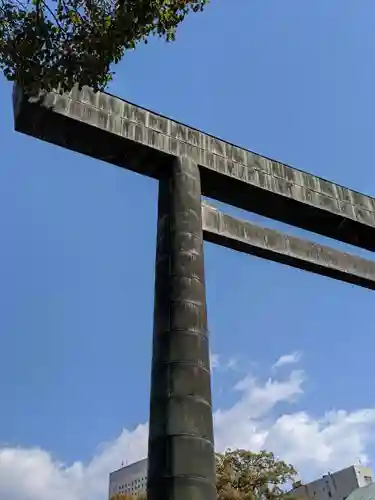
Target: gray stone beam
[(269, 244), (116, 131)]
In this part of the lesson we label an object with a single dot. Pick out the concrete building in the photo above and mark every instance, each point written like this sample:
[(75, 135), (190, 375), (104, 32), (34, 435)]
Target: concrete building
[(131, 479), (336, 486), (364, 493)]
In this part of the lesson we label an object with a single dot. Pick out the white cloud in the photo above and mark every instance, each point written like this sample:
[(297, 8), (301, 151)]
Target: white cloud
[(313, 444), (31, 474), (215, 360), (232, 364), (288, 359)]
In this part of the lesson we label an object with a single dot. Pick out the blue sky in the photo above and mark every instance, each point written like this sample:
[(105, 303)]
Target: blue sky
[(290, 79)]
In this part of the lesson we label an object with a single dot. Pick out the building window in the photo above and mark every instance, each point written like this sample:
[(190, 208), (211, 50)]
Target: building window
[(368, 479), (330, 494)]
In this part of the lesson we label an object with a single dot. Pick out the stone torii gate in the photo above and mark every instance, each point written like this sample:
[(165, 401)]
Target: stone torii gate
[(189, 164)]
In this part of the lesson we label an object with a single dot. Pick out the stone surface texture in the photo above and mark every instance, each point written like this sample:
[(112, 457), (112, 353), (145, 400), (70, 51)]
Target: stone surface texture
[(228, 173), (250, 238), (181, 462)]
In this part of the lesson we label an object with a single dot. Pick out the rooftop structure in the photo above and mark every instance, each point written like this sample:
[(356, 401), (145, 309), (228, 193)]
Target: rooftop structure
[(131, 479), (335, 486)]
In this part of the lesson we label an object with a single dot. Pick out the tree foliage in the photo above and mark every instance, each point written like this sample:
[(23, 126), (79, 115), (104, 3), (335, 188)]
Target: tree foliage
[(125, 496), (244, 475), (58, 43)]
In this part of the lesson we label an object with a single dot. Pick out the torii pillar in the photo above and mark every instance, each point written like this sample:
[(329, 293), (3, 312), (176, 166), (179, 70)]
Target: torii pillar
[(181, 459)]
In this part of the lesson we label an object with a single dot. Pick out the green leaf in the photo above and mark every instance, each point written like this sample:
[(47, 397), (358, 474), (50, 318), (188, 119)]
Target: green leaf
[(78, 41)]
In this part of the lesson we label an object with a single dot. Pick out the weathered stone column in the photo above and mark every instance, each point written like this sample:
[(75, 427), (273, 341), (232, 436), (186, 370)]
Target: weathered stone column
[(181, 453)]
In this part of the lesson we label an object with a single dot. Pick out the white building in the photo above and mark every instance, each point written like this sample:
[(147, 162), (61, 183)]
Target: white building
[(364, 493), (131, 479), (335, 486)]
